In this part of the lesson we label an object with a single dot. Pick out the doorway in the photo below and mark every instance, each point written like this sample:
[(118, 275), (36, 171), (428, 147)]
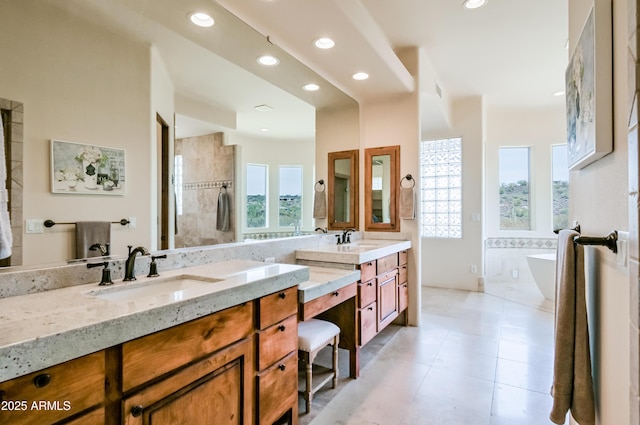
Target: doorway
[(164, 173)]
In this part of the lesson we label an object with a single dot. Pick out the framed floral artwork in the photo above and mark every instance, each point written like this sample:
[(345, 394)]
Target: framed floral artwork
[(81, 169), (589, 92)]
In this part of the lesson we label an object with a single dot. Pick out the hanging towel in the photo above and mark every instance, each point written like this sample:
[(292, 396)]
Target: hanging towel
[(6, 238), (407, 204), (89, 233), (572, 387), (223, 213), (319, 203)]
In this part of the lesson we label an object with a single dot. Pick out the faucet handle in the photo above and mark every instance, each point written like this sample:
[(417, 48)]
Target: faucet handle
[(106, 273), (339, 242), (153, 267)]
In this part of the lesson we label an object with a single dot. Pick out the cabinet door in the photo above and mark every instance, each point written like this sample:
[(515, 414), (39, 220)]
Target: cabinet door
[(217, 390), (403, 297), (387, 299)]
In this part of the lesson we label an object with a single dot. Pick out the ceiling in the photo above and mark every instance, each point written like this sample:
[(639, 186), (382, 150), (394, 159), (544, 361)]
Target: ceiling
[(511, 52)]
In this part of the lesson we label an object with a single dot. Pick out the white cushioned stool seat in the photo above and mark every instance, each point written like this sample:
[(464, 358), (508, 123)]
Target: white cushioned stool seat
[(313, 335)]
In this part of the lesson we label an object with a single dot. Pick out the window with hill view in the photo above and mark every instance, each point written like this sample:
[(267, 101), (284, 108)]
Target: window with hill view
[(515, 202), (256, 195), (560, 189), (290, 199)]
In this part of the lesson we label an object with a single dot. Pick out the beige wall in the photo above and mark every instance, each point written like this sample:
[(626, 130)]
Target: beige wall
[(102, 100), (537, 129), (598, 200), (447, 262)]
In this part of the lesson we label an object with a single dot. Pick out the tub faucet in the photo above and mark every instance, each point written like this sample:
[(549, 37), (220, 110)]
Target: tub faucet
[(129, 265)]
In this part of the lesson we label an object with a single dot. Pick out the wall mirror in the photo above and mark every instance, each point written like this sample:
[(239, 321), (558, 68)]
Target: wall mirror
[(343, 190), (382, 180), (134, 59)]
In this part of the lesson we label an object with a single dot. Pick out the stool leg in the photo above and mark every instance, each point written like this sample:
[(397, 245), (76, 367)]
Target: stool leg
[(335, 362), (309, 390)]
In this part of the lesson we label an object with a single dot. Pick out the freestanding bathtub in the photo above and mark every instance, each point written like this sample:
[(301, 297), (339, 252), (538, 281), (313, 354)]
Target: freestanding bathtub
[(543, 269)]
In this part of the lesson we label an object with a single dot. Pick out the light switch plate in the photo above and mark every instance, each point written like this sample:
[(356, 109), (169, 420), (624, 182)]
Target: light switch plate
[(34, 225)]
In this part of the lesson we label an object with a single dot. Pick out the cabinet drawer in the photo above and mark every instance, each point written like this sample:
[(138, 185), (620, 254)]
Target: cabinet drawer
[(402, 270), (277, 341), (367, 322), (95, 417), (366, 293), (403, 296), (367, 271), (277, 306), (68, 388), (402, 257), (314, 307), (278, 390), (154, 355), (387, 263)]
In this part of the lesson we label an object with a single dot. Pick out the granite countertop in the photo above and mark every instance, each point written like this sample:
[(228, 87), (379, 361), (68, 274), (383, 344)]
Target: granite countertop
[(357, 252), (325, 280), (47, 328)]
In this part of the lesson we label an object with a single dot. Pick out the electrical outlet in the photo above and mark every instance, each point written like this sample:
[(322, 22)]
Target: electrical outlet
[(473, 268), (270, 260), (34, 225), (132, 222), (515, 274)]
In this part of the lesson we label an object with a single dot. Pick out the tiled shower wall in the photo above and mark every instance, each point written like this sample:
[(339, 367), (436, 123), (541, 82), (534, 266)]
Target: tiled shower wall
[(16, 185), (633, 74), (207, 165)]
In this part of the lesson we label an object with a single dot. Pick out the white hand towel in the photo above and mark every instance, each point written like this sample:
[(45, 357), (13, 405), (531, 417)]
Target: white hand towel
[(6, 238), (572, 387)]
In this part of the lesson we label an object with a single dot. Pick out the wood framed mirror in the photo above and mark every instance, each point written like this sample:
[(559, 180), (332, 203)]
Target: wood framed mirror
[(381, 188), (343, 190)]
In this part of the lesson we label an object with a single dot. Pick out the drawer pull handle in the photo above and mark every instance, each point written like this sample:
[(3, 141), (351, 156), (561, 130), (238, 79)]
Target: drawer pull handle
[(335, 294), (282, 367), (42, 380), (136, 411), (282, 328), (370, 308), (370, 284), (282, 295)]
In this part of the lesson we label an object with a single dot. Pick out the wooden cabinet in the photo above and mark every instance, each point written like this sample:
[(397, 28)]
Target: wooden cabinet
[(383, 293), (236, 366), (56, 393), (215, 390), (277, 363)]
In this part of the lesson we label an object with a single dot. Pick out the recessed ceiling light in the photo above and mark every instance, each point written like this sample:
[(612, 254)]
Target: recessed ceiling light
[(559, 93), (360, 76), (473, 4), (268, 60), (324, 43), (311, 87), (202, 19), (264, 129)]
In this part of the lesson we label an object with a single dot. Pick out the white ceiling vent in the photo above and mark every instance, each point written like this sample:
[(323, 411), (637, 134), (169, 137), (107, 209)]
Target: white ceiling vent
[(263, 108)]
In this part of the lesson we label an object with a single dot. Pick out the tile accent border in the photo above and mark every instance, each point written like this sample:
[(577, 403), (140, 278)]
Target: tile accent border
[(528, 243)]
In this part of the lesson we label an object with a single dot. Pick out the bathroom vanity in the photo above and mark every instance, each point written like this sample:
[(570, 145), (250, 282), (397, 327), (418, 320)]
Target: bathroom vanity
[(367, 305), (161, 352)]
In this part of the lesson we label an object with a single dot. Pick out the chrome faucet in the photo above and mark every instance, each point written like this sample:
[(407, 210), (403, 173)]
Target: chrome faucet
[(129, 265)]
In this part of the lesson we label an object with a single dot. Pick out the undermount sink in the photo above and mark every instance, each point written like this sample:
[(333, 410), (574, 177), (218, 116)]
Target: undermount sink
[(172, 287)]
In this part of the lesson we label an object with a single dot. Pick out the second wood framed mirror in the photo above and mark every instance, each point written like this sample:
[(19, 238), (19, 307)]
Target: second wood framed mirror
[(343, 190), (381, 188)]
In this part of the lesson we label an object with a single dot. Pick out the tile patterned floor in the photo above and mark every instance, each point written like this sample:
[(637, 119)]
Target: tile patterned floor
[(478, 359)]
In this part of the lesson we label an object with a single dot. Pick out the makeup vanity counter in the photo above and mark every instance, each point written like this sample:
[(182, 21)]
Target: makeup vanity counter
[(229, 325)]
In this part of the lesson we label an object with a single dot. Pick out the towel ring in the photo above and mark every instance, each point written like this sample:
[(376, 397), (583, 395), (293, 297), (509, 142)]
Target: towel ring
[(321, 183), (410, 178)]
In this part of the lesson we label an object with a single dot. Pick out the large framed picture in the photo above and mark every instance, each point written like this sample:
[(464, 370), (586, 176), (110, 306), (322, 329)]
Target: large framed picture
[(82, 169), (589, 91)]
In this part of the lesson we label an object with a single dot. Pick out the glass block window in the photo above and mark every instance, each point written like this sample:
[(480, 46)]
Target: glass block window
[(290, 200), (441, 188), (560, 189), (513, 167), (256, 195)]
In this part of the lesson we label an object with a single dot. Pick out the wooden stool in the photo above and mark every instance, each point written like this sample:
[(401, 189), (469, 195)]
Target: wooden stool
[(314, 335)]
